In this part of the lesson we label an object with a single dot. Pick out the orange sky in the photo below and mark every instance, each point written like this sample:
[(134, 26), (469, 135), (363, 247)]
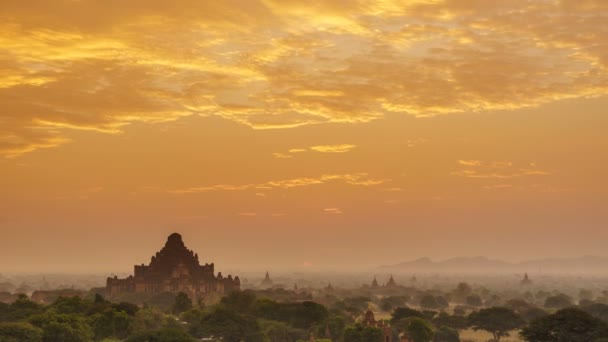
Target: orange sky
[(272, 134)]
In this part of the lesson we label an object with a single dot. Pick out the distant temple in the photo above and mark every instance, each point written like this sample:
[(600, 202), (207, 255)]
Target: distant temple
[(174, 269), (267, 282), (390, 284), (374, 283), (370, 320), (526, 280)]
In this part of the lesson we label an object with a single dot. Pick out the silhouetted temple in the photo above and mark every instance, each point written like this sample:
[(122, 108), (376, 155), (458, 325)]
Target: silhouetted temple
[(174, 269), (526, 280), (267, 282)]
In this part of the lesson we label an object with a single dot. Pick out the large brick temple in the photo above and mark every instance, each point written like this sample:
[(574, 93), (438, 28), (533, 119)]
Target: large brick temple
[(174, 269)]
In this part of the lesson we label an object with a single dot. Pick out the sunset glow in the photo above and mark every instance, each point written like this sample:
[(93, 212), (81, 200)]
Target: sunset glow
[(344, 133)]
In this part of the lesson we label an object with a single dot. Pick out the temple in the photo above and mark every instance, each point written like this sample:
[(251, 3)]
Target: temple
[(174, 269)]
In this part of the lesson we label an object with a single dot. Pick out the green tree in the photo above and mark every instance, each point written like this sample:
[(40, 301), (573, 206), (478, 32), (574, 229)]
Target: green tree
[(241, 301), (451, 321), (597, 310), (148, 319), (404, 312), (70, 305), (111, 323), (63, 327), (230, 326), (446, 334), (473, 300), (496, 320), (429, 302), (533, 314), (22, 308), (163, 335), (462, 291), (274, 331), (390, 302), (19, 332), (419, 330), (128, 308), (442, 302), (360, 333), (307, 313), (558, 302), (182, 303), (566, 325), (335, 324)]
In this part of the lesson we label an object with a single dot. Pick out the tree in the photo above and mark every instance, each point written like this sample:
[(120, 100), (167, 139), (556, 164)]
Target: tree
[(473, 300), (405, 312), (148, 319), (518, 305), (565, 325), (230, 326), (163, 335), (429, 302), (241, 301), (388, 303), (533, 314), (182, 303), (20, 331), (22, 308), (558, 302), (274, 331), (451, 321), (111, 323), (442, 302), (335, 324), (307, 313), (63, 327), (496, 320), (597, 310), (419, 330), (70, 305), (462, 291), (360, 333), (446, 334)]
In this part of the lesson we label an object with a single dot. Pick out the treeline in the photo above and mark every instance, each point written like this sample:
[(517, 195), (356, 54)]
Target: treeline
[(244, 316)]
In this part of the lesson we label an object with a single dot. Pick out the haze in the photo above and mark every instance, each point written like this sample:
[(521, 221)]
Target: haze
[(271, 135)]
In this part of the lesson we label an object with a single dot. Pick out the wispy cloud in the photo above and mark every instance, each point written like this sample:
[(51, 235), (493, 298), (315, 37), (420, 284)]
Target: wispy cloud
[(333, 211), (280, 64), (496, 170), (339, 148), (332, 148), (358, 179)]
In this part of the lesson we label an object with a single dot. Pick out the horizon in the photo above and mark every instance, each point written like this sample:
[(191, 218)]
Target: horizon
[(388, 268)]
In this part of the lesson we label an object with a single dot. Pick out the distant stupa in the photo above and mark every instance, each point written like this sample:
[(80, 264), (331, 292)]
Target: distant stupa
[(526, 280), (267, 282), (375, 283), (391, 282)]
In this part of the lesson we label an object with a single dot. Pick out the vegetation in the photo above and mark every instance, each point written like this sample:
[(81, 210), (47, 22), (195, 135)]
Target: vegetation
[(569, 324), (448, 314), (496, 320)]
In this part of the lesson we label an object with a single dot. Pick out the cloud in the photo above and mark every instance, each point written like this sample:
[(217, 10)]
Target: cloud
[(101, 66), (340, 148), (496, 170), (469, 162), (332, 148), (358, 179), (332, 211)]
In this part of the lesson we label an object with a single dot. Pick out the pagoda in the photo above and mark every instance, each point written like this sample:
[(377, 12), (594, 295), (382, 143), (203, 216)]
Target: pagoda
[(173, 269)]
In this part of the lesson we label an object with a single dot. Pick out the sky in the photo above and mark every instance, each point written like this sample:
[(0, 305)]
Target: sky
[(303, 136)]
